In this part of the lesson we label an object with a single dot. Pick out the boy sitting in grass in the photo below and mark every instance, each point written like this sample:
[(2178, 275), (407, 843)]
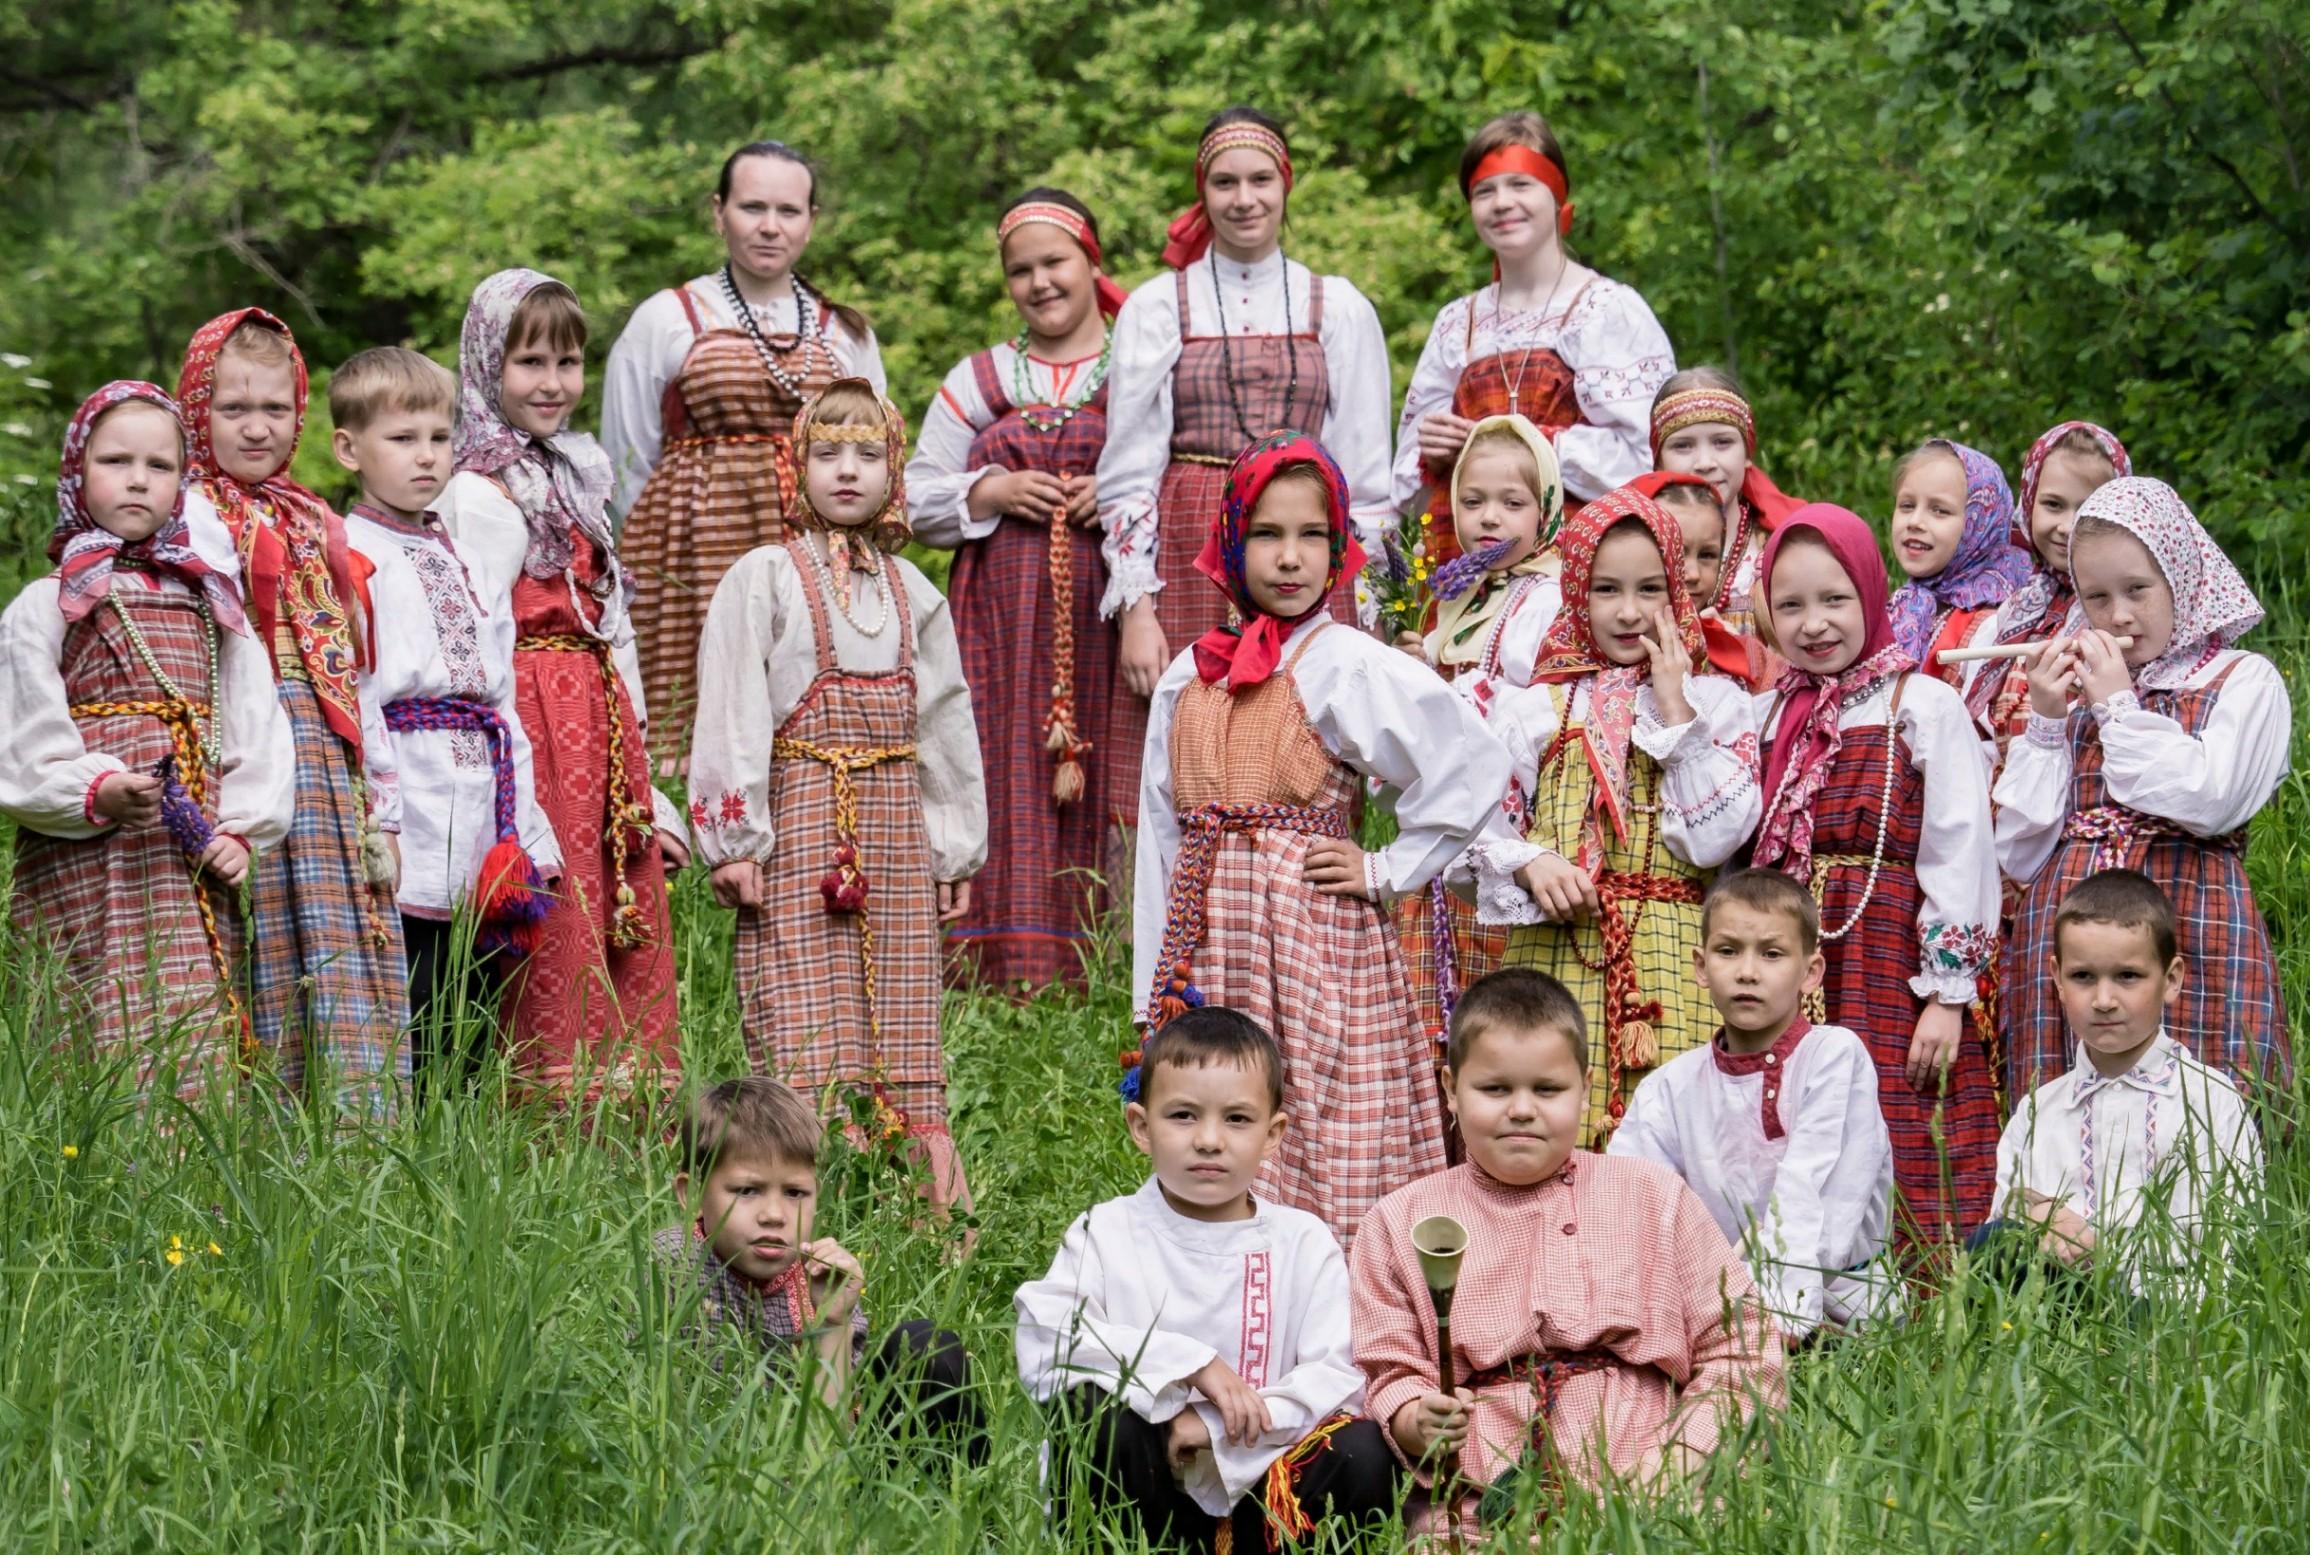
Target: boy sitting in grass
[(749, 1176), (1193, 1338), (2125, 1153), (1774, 1124)]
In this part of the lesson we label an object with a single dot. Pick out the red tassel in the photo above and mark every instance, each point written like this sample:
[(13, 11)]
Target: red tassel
[(510, 897), (844, 886)]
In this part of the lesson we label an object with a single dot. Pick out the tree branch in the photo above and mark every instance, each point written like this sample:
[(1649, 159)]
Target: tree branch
[(2209, 153)]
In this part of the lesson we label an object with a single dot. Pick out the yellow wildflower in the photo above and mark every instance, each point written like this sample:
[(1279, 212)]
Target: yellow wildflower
[(215, 1251), (176, 1244), (72, 1152), (175, 1257)]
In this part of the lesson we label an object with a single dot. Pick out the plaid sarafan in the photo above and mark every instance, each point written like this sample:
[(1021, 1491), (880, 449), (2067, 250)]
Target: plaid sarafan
[(328, 992), (1323, 973), (1944, 1147), (2231, 1014), (823, 1005), (717, 493), (119, 908)]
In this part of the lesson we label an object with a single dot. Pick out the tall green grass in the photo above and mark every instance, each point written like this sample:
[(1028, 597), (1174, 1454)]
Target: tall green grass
[(448, 1334)]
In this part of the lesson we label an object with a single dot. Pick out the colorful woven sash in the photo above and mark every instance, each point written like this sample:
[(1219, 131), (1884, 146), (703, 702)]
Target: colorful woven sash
[(629, 927), (2116, 831), (511, 898)]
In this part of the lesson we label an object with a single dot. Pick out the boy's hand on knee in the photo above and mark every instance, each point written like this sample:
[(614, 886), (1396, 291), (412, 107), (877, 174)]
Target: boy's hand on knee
[(1189, 1436), (1432, 1422), (1335, 867), (836, 1280), (226, 861), (738, 883), (954, 899), (129, 798), (1241, 1410)]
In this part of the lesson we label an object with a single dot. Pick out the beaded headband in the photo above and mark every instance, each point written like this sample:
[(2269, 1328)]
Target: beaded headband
[(1694, 406), (1232, 137), (1067, 221), (819, 434)]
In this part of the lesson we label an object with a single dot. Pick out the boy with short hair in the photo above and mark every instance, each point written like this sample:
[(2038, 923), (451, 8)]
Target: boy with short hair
[(1195, 1336), (2134, 1143), (472, 834), (1775, 1123), (749, 1180)]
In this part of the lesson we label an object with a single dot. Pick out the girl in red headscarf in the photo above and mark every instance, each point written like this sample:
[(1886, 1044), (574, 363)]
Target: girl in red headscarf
[(1576, 352), (328, 996), (1250, 889), (146, 752), (1642, 772), (1236, 341), (1005, 475), (1876, 796)]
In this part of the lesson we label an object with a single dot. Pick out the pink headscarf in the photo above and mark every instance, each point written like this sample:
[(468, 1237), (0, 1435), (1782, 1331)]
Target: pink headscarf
[(2047, 593), (2213, 607), (1806, 738)]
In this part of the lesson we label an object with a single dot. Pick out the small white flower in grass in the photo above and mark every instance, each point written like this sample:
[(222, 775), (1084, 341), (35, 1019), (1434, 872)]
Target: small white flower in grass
[(38, 383), (17, 428), (13, 362)]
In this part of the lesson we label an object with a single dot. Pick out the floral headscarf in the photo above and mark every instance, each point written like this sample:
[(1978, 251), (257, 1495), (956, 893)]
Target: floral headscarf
[(85, 552), (1728, 651), (2213, 607), (1469, 595), (1244, 655), (1806, 736), (2036, 599), (1569, 651), (1986, 567), (855, 547), (302, 558), (562, 485)]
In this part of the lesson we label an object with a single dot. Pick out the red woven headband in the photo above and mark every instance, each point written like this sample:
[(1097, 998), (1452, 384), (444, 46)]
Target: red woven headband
[(1190, 232), (1070, 222), (1694, 406), (1536, 164)]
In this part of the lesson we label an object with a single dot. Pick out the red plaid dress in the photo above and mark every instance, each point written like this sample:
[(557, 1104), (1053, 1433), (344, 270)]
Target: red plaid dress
[(2231, 1014), (1944, 1148), (579, 1004), (119, 909), (1323, 973), (1537, 381), (823, 1005), (1205, 439), (1041, 891), (717, 493)]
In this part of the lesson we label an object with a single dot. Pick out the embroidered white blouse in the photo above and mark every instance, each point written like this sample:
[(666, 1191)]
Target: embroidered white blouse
[(940, 476), (1789, 1151), (2207, 784), (1956, 860), (1377, 711), (1709, 800), (1140, 1298), (493, 539), (759, 657), (48, 775), (650, 350), (2146, 1153), (435, 639), (1619, 356), (1147, 341)]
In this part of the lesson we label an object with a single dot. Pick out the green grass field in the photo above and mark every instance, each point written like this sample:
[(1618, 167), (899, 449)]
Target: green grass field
[(236, 1331)]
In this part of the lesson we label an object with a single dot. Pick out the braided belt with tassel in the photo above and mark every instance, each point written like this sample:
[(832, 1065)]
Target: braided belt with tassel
[(1541, 1456), (508, 896), (1060, 737), (1287, 1520), (1632, 1022), (184, 786), (846, 886), (629, 929), (1186, 912), (2115, 831)]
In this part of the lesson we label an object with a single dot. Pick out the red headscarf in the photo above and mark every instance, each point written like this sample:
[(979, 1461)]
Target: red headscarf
[(1190, 231), (1806, 737), (86, 553), (1729, 651), (1569, 651), (303, 555), (1070, 221), (1246, 655)]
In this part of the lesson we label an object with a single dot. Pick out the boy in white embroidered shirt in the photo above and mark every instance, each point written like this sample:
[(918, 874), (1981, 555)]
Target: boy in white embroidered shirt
[(2130, 1150), (1775, 1124), (1194, 1339)]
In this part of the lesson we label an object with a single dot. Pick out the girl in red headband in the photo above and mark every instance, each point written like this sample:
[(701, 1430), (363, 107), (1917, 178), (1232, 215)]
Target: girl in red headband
[(1005, 475), (1236, 342), (1702, 426), (1577, 353), (698, 403), (1251, 891)]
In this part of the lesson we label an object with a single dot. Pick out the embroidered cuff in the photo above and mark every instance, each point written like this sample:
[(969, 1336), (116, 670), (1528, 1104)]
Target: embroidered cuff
[(1950, 960), (1375, 881), (1669, 744), (1130, 578), (2117, 709), (2050, 734), (1500, 897)]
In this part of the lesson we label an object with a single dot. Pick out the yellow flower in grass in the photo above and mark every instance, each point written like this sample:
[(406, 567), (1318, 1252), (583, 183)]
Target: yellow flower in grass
[(176, 1244), (215, 1251), (72, 1152), (175, 1256)]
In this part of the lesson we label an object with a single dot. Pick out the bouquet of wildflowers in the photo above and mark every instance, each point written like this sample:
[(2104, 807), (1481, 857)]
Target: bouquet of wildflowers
[(1397, 579)]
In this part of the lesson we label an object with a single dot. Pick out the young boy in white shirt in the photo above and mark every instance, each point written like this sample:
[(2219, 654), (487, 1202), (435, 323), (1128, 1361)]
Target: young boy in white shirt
[(1775, 1124), (2122, 1156), (1194, 1338)]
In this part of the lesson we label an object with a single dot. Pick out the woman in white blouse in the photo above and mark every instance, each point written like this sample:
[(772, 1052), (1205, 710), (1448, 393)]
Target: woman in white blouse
[(1578, 353), (1235, 342), (697, 408)]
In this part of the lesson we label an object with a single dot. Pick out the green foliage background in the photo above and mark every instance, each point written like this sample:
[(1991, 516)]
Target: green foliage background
[(1903, 219)]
